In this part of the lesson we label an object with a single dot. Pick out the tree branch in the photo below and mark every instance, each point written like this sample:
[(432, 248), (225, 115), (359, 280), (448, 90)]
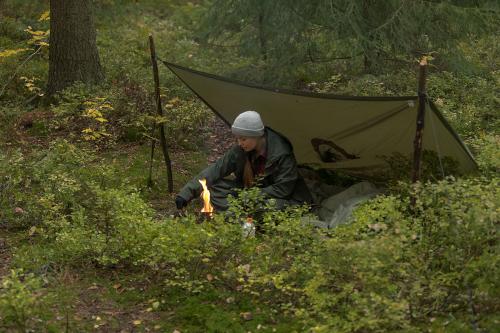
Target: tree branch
[(392, 18)]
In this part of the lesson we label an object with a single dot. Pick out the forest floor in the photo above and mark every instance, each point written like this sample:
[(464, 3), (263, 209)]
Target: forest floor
[(5, 254), (219, 140), (102, 300)]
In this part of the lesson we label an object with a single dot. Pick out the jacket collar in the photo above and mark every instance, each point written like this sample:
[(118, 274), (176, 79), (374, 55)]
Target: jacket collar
[(276, 146)]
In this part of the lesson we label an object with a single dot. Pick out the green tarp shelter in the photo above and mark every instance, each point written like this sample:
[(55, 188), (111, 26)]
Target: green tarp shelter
[(353, 134)]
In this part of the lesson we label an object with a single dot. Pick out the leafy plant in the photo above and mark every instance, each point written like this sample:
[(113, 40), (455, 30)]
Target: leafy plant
[(20, 298)]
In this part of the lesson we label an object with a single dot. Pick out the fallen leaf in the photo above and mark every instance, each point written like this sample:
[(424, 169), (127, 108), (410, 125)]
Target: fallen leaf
[(32, 231), (378, 226), (246, 315)]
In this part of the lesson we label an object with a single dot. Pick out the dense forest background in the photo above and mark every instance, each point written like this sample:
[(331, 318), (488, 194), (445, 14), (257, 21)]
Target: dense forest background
[(89, 243)]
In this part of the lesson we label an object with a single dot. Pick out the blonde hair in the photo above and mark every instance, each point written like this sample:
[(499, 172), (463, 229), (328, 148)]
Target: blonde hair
[(248, 176)]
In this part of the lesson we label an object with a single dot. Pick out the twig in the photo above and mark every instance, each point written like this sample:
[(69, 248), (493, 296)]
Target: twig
[(152, 138), (210, 44), (311, 59), (472, 310), (67, 321), (391, 19)]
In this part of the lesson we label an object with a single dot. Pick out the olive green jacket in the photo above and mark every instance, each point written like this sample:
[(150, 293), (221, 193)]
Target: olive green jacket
[(281, 179)]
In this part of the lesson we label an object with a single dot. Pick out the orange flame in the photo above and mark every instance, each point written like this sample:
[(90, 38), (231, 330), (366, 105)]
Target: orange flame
[(205, 195)]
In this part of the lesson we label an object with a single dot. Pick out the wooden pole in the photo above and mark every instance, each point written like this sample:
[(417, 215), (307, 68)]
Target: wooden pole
[(422, 101), (163, 140)]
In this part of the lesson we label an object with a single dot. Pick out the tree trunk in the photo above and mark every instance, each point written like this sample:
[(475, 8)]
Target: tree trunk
[(262, 35), (73, 54), (369, 58)]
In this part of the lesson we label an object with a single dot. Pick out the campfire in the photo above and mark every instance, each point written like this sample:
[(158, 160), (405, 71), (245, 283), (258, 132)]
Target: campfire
[(208, 209)]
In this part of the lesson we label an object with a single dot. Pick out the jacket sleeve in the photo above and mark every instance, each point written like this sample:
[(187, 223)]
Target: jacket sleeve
[(285, 179), (220, 169)]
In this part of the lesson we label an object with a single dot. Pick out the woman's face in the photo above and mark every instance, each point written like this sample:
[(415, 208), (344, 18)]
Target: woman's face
[(247, 143)]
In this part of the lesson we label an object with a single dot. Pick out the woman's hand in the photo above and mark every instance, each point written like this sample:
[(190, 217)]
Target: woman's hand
[(180, 202)]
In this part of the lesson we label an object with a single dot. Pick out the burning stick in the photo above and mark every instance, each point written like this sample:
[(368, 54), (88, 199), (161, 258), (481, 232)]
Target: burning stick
[(208, 209)]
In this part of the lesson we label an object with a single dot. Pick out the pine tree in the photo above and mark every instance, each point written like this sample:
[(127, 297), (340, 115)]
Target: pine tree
[(285, 33)]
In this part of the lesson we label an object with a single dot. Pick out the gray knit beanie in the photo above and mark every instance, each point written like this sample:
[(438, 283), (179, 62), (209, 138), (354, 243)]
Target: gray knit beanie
[(248, 123)]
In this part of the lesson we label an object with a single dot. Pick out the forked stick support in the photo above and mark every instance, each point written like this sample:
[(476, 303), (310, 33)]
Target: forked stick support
[(163, 140)]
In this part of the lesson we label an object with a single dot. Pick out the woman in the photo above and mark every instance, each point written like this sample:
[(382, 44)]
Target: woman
[(262, 158)]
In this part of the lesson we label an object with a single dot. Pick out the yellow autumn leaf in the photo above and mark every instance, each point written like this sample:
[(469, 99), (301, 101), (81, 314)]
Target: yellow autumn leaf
[(36, 32), (107, 106), (160, 120), (9, 53), (174, 100), (93, 113), (45, 16), (137, 322)]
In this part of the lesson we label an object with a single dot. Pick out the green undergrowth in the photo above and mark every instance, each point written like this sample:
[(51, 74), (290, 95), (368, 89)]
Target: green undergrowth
[(64, 175), (395, 268), (92, 247)]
